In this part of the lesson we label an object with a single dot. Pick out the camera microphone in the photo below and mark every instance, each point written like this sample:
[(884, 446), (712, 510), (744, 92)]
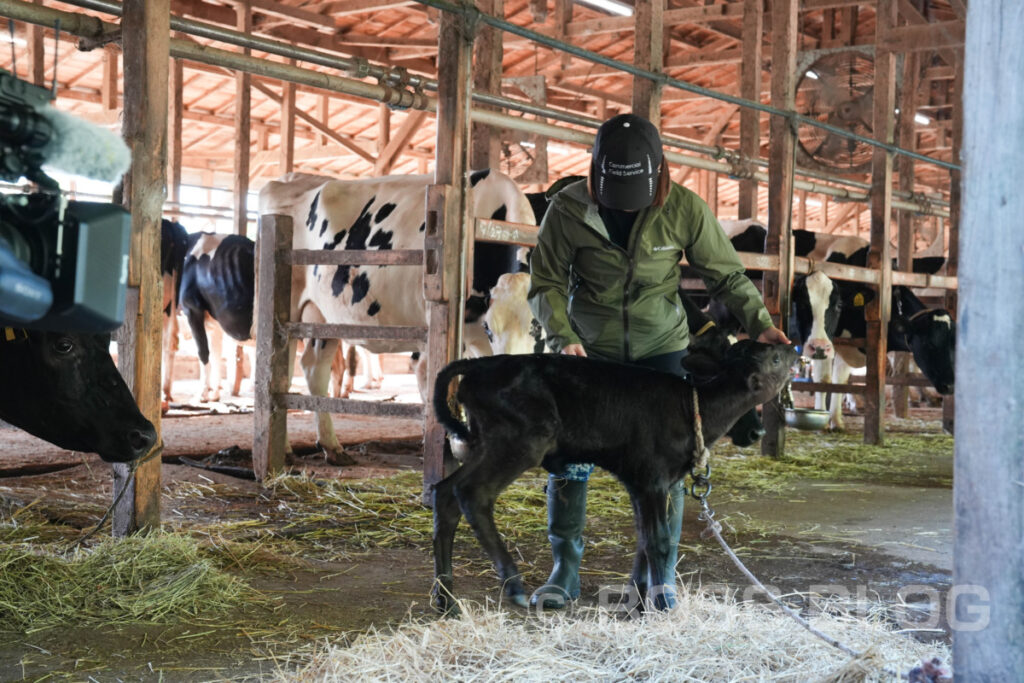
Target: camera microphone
[(82, 148)]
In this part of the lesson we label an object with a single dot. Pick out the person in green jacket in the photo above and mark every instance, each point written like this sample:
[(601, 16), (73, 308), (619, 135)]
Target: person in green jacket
[(605, 284)]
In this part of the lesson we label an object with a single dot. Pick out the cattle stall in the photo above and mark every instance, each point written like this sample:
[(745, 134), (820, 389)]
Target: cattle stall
[(279, 60)]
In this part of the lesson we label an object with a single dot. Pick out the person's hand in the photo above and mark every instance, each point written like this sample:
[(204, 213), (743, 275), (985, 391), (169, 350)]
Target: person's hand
[(574, 350), (773, 335)]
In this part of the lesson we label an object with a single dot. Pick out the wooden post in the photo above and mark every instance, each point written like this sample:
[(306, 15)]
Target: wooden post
[(905, 244), (877, 311), (175, 111), (448, 232), (146, 54), (485, 143), (750, 89), (780, 196), (243, 102), (987, 479), (286, 164), (952, 257), (648, 54), (273, 372), (383, 128), (325, 114), (36, 53), (108, 86), (712, 191)]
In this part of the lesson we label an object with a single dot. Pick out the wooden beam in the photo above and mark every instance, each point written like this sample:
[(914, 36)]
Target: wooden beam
[(274, 8), (877, 311), (342, 140), (782, 149), (921, 37), (345, 8), (411, 125), (36, 53), (485, 144), (648, 53), (907, 139), (383, 128), (750, 88), (109, 84), (910, 13), (987, 480), (713, 134), (671, 17), (243, 114), (287, 151), (813, 5), (842, 216), (448, 239), (145, 42)]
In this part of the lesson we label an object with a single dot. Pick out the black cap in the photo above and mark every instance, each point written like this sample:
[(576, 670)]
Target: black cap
[(626, 163)]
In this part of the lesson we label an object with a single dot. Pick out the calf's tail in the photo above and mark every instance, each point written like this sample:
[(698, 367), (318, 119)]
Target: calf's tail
[(441, 407)]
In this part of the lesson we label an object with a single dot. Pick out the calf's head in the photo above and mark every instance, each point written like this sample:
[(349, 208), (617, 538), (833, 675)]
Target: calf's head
[(64, 388), (751, 373), (509, 321)]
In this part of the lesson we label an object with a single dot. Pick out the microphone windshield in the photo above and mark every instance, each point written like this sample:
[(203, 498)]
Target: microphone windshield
[(82, 148)]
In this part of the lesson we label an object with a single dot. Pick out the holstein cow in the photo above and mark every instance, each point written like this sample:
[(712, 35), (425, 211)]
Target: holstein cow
[(929, 334), (173, 245), (64, 387), (218, 281), (552, 410), (379, 213)]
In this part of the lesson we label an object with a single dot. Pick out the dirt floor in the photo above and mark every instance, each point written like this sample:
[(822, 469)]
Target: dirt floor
[(885, 538)]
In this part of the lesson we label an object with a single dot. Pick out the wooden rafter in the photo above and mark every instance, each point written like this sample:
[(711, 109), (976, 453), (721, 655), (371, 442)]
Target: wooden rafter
[(386, 160)]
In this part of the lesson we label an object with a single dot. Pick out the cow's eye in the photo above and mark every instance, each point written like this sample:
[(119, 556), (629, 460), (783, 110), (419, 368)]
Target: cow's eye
[(63, 346), (487, 331)]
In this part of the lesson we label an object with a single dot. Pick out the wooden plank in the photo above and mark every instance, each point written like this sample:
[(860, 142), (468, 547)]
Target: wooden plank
[(175, 112), (648, 53), (344, 8), (272, 374), (354, 257), (327, 404), (921, 37), (275, 8), (782, 143), (287, 160), (353, 332), (145, 39), (713, 135), (488, 230), (243, 118), (383, 127), (987, 480), (750, 89), (812, 5), (411, 125), (877, 311)]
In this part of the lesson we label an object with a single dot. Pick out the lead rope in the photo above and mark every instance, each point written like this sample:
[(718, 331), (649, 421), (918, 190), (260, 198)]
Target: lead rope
[(155, 453), (701, 475)]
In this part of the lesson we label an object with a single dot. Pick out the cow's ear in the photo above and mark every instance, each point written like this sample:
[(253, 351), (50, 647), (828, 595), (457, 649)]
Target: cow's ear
[(754, 382), (700, 365)]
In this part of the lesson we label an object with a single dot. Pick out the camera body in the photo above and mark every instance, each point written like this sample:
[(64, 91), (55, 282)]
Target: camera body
[(63, 264)]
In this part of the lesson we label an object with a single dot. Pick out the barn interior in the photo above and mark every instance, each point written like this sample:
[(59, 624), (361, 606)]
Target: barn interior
[(352, 89)]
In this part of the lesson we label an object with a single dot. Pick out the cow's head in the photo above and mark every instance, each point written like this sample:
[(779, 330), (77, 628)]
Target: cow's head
[(64, 388), (931, 336), (815, 314), (509, 321)]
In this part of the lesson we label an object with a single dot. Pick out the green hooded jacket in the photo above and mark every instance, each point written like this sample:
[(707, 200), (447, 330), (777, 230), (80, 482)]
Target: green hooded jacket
[(624, 304)]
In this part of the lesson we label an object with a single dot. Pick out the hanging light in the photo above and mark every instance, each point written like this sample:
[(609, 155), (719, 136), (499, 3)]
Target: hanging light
[(611, 6)]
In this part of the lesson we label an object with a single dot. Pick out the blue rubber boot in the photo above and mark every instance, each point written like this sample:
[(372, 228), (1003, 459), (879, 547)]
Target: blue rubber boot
[(567, 516)]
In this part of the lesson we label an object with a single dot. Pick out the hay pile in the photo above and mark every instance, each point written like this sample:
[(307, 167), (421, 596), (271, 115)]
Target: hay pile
[(703, 639), (149, 579)]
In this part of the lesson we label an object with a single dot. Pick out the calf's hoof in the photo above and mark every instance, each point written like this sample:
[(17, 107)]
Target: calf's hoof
[(550, 596), (444, 602), (336, 456)]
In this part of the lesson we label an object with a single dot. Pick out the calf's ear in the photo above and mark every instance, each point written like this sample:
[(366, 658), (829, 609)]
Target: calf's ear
[(700, 365), (754, 382)]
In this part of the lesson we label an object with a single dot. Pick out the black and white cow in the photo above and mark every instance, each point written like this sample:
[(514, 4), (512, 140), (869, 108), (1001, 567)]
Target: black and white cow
[(173, 245), (929, 334), (218, 283), (64, 387), (379, 213)]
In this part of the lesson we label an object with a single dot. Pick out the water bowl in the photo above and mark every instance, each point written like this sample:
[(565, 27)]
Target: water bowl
[(807, 419)]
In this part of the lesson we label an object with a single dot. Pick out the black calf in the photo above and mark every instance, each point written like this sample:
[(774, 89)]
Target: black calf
[(550, 410)]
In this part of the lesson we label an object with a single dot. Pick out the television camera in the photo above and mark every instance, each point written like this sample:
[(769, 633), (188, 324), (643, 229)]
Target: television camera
[(63, 264)]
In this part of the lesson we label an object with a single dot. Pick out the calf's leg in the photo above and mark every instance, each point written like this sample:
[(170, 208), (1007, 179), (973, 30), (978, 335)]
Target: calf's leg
[(446, 520), (653, 548)]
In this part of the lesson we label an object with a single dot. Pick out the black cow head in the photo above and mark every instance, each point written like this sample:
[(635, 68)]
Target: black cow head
[(931, 336), (65, 388)]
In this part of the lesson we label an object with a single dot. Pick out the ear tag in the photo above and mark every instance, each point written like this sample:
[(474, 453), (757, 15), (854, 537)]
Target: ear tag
[(858, 299)]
